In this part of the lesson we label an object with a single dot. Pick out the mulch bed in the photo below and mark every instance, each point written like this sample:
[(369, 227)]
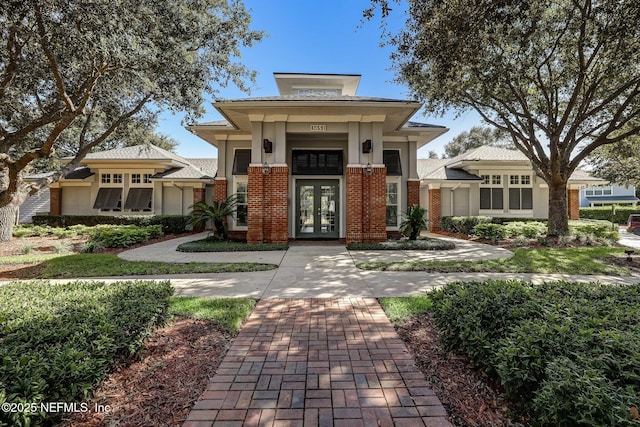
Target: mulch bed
[(160, 385)]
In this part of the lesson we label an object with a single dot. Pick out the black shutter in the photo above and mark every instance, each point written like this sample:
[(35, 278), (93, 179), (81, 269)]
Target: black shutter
[(108, 198), (139, 198), (514, 198), (527, 198), (485, 198), (496, 198), (315, 162)]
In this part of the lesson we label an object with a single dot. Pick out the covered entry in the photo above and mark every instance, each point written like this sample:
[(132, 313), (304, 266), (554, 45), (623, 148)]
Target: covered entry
[(317, 208)]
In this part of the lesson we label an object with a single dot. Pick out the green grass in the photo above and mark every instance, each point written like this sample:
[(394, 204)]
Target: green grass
[(401, 309), (584, 260), (214, 245), (27, 259), (230, 313), (104, 265)]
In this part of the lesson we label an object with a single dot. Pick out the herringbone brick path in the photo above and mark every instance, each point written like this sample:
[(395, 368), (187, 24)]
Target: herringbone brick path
[(318, 362)]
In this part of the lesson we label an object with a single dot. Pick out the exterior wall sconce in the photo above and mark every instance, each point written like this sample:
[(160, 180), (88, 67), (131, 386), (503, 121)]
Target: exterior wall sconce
[(367, 147), (369, 169), (267, 146), (265, 169)]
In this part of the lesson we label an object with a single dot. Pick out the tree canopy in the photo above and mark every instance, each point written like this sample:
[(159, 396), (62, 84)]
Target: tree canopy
[(476, 137), (80, 71), (618, 163), (560, 77)]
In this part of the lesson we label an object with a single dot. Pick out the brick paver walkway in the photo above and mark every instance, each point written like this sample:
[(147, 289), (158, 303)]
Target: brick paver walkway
[(318, 362)]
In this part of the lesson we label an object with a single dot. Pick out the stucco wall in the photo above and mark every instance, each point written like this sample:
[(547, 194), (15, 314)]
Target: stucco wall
[(77, 201)]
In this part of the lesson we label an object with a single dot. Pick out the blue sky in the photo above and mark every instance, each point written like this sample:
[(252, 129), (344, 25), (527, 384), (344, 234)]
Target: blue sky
[(317, 37)]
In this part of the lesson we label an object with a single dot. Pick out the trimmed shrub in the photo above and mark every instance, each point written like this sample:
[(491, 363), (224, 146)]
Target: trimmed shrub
[(568, 353), (59, 340), (600, 230), (171, 224), (530, 230), (604, 213), (462, 224), (494, 232), (123, 236)]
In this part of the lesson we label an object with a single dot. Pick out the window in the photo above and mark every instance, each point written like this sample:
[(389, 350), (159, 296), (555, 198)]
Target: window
[(496, 179), (135, 178), (520, 198), (328, 92), (242, 203), (139, 199), (391, 159), (316, 162), (525, 179), (108, 198), (105, 178), (599, 190), (241, 160), (485, 179), (491, 198), (514, 179), (117, 178), (392, 204), (146, 178)]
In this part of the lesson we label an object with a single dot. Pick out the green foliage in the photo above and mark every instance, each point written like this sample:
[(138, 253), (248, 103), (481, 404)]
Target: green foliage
[(476, 137), (493, 232), (618, 163), (569, 353), (605, 213), (216, 213), (462, 224), (171, 224), (122, 236), (215, 245), (530, 230), (59, 340), (413, 221), (402, 309), (600, 230), (421, 243), (230, 313)]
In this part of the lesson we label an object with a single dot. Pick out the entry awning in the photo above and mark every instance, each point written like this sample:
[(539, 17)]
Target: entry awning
[(139, 198), (108, 198)]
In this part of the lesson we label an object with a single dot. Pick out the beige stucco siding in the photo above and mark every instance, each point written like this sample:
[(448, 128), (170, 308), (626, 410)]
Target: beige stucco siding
[(77, 201)]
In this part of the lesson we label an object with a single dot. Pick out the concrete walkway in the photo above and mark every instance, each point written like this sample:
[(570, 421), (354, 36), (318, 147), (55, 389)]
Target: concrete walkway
[(318, 362)]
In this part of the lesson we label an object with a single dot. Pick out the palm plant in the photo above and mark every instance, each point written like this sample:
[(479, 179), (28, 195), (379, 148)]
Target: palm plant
[(217, 212), (413, 221)]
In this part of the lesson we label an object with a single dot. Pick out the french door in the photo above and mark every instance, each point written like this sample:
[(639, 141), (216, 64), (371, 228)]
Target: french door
[(317, 209)]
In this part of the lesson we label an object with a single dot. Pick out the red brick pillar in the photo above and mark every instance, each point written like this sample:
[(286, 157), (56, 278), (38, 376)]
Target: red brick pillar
[(220, 189), (573, 201), (255, 208), (55, 201), (377, 209), (434, 209), (413, 193), (276, 191), (354, 198)]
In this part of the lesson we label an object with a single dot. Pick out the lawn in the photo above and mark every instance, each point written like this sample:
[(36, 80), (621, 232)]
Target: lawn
[(582, 260), (228, 312), (215, 245)]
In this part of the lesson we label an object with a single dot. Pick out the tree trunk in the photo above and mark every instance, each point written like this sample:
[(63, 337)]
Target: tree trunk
[(8, 216), (558, 224)]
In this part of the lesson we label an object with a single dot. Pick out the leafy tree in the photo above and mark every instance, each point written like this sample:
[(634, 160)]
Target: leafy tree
[(432, 155), (216, 213), (618, 163), (476, 137), (560, 77), (413, 221), (75, 73)]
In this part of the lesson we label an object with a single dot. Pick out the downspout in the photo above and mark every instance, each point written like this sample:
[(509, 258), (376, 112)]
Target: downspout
[(181, 197)]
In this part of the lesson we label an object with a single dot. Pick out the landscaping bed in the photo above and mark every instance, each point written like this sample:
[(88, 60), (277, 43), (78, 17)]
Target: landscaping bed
[(422, 243), (211, 244)]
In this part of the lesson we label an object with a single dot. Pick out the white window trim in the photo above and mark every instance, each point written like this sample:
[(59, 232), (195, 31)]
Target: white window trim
[(236, 180), (395, 180)]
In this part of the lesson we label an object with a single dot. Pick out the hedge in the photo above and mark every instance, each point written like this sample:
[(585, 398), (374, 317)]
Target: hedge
[(567, 353), (171, 224), (621, 215), (58, 340), (465, 224)]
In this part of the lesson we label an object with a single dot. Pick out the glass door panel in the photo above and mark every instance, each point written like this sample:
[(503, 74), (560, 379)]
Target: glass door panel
[(317, 209)]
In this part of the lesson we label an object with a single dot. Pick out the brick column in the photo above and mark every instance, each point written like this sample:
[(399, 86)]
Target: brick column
[(434, 209), (366, 205), (198, 195), (354, 198), (413, 193), (55, 201), (219, 189), (573, 202), (255, 202), (276, 191)]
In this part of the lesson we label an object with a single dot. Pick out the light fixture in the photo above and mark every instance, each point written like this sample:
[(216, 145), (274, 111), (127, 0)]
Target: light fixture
[(265, 169), (369, 169), (267, 146), (367, 147)]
